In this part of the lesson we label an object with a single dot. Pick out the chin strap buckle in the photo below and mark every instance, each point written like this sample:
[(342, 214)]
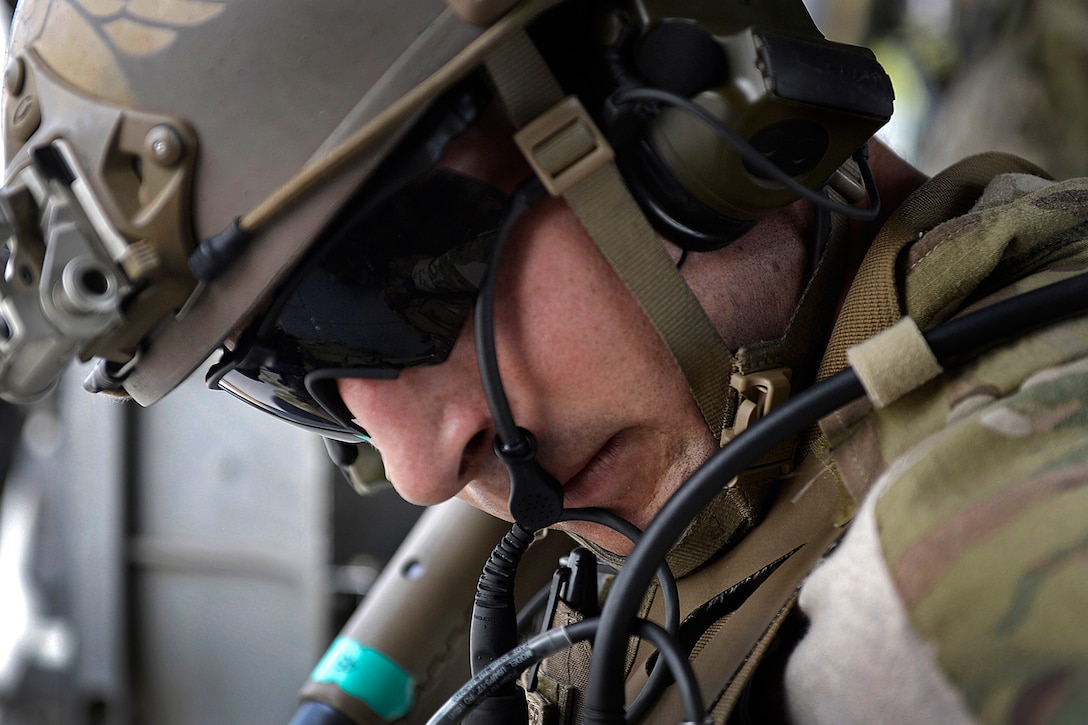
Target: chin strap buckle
[(563, 146), (761, 392)]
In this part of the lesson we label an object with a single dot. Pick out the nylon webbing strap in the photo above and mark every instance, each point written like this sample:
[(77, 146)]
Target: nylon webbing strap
[(624, 236), (872, 304), (616, 223), (524, 82)]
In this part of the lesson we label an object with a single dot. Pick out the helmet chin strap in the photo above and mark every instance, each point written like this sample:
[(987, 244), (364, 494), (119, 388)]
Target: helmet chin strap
[(536, 498), (571, 159), (569, 154)]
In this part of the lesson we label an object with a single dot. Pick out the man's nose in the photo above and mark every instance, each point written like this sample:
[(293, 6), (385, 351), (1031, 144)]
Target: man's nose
[(431, 425)]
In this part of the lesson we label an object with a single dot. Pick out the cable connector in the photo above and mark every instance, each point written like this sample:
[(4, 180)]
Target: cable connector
[(214, 254), (536, 498)]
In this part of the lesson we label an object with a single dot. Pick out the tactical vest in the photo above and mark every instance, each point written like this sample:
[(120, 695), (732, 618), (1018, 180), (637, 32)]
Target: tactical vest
[(957, 239)]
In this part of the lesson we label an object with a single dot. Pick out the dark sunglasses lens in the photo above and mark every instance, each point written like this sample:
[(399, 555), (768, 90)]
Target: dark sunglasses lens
[(394, 286), (388, 288)]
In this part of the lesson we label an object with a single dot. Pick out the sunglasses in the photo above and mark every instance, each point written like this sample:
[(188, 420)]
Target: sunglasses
[(389, 288)]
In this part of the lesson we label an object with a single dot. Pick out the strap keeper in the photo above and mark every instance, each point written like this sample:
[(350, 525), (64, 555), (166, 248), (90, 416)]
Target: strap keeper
[(563, 146), (894, 362)]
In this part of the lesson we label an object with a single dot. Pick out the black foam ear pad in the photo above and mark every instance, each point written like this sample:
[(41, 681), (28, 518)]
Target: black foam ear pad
[(672, 210)]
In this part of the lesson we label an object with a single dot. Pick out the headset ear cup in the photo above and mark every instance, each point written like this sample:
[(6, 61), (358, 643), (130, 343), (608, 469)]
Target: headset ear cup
[(682, 57), (670, 207), (679, 55), (726, 116)]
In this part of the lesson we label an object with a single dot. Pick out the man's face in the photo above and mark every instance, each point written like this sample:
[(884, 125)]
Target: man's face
[(583, 369)]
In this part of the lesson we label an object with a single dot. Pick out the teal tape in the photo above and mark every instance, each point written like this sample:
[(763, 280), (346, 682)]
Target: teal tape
[(368, 675)]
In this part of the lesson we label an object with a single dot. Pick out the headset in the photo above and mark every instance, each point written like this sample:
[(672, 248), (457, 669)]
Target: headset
[(719, 112)]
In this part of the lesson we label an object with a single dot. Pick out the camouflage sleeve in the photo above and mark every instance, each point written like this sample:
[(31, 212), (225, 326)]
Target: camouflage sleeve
[(957, 594), (861, 661), (987, 543)]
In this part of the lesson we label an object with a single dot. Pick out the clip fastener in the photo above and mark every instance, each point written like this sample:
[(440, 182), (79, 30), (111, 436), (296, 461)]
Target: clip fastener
[(761, 392), (563, 146)]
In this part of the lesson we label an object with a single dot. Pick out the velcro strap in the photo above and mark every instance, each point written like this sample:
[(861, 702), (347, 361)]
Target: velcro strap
[(894, 362)]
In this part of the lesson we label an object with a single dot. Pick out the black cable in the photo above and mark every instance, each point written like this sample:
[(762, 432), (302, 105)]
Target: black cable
[(821, 235), (508, 433), (752, 155), (680, 666), (949, 342), (665, 578), (494, 617), (214, 254), (666, 581), (506, 669), (669, 593), (604, 693), (536, 498), (533, 608)]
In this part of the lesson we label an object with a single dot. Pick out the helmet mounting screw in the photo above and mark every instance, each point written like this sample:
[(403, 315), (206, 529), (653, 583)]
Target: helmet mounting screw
[(164, 144), (14, 76)]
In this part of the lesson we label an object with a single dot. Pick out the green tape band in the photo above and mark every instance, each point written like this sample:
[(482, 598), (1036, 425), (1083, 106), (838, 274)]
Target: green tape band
[(368, 675)]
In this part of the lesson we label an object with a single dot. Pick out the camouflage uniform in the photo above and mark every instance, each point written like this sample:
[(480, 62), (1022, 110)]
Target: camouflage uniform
[(954, 596)]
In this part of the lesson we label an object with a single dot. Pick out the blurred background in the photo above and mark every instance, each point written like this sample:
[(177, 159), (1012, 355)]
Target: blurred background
[(977, 75), (188, 564)]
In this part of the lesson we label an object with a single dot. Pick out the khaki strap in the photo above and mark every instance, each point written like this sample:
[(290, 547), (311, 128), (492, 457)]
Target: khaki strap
[(730, 695), (798, 530), (631, 247), (613, 219), (523, 81), (873, 304)]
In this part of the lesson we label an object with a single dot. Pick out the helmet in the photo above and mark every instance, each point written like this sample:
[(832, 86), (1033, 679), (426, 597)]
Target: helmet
[(171, 120), (170, 165)]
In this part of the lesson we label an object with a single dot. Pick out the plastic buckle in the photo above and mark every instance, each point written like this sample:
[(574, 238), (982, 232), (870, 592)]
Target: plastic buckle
[(761, 392), (563, 146)]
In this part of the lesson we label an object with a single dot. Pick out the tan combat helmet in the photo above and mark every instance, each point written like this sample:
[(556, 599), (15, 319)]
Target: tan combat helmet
[(169, 163), (134, 130)]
